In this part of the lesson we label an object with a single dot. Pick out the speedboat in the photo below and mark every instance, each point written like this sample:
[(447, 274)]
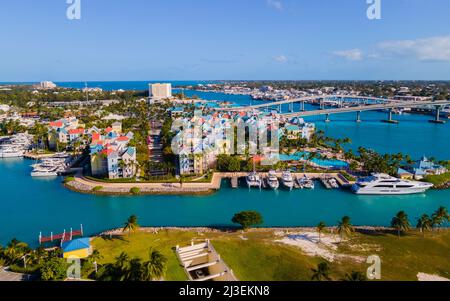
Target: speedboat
[(287, 179), (305, 182), (272, 180), (384, 184), (253, 180)]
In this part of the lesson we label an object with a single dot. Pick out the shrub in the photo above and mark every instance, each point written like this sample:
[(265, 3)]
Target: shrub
[(69, 179), (135, 190), (97, 188)]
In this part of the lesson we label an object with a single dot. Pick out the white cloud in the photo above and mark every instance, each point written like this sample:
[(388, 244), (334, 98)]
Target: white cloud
[(428, 49), (281, 59), (351, 54), (276, 4)]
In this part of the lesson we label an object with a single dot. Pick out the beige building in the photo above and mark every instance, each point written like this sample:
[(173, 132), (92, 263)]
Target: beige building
[(160, 91), (201, 262)]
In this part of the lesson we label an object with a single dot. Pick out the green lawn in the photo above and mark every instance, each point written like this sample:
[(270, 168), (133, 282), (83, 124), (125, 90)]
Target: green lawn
[(438, 180), (260, 258)]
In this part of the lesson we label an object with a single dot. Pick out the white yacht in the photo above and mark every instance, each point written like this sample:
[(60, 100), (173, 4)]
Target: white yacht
[(287, 179), (385, 184), (44, 172), (272, 180), (253, 180), (10, 152), (305, 182), (333, 183)]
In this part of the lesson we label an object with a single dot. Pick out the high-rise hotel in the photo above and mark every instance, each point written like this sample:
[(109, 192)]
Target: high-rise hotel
[(160, 91)]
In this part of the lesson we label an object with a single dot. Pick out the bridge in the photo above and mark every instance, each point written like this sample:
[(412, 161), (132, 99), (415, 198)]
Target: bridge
[(379, 104), (438, 105), (303, 100)]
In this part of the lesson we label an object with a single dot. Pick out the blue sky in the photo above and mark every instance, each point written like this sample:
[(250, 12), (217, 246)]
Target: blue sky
[(224, 39)]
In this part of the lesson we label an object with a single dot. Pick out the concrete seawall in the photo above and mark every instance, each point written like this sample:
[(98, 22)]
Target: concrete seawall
[(84, 185)]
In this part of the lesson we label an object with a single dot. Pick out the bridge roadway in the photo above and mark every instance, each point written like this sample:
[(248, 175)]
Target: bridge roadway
[(303, 99), (392, 105)]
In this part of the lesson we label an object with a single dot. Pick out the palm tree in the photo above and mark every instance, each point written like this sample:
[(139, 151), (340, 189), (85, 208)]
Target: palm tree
[(355, 276), (131, 224), (15, 250), (440, 217), (345, 227), (155, 268), (121, 265), (322, 272), (424, 223), (320, 227), (401, 223)]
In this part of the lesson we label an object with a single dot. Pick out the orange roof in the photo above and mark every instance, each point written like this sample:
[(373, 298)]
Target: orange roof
[(108, 129)]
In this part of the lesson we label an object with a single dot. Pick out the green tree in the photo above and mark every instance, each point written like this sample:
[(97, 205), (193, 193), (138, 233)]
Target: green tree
[(54, 269), (440, 217), (155, 268), (355, 276), (320, 227), (131, 225), (424, 223), (345, 227), (322, 272), (401, 223), (247, 219)]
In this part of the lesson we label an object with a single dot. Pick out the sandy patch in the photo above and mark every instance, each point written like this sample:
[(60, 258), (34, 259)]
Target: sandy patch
[(429, 277), (309, 243)]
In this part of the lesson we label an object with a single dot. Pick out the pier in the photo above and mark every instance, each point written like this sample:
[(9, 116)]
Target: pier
[(62, 237)]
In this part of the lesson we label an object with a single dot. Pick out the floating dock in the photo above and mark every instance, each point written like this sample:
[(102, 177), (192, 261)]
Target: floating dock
[(235, 182)]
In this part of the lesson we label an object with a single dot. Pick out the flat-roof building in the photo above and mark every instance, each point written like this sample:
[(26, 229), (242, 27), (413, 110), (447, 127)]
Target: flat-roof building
[(160, 91)]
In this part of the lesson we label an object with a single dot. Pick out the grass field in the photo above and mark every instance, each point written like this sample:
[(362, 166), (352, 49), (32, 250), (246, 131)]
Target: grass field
[(260, 258)]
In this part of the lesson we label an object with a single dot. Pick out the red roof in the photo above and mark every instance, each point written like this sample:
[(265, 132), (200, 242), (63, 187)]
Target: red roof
[(57, 124), (95, 136), (76, 132), (107, 151), (122, 138), (108, 129)]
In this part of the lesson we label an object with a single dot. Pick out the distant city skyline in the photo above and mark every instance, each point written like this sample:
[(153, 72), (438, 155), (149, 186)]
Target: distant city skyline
[(224, 40)]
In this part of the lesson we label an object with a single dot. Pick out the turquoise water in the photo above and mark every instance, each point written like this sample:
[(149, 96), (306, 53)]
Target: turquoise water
[(29, 205), (328, 163)]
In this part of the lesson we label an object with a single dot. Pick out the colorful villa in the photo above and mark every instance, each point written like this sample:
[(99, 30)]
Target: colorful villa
[(420, 169), (64, 131), (110, 154), (198, 151)]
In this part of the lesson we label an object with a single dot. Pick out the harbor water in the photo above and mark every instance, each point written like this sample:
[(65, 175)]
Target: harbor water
[(29, 205)]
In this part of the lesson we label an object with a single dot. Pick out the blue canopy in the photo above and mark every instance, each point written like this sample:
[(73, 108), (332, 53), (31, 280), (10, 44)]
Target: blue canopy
[(76, 244)]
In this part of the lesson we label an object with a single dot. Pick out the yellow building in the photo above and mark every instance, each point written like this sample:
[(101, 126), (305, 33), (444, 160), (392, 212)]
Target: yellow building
[(77, 248)]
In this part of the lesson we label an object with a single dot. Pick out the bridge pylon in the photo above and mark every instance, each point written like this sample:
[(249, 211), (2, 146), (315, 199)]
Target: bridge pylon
[(437, 117)]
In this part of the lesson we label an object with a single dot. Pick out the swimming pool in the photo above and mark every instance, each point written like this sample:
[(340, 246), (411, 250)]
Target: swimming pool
[(326, 163)]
